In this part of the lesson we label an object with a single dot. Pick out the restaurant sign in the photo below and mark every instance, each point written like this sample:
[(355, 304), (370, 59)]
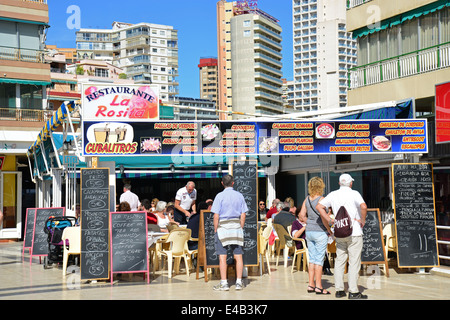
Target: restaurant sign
[(130, 103), (254, 138), (442, 121)]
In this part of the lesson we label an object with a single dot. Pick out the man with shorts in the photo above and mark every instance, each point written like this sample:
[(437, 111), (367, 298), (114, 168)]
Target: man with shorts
[(229, 209)]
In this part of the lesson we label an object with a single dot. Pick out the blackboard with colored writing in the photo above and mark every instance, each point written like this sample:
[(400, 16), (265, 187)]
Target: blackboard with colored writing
[(414, 212), (129, 242), (29, 228), (373, 243), (245, 175), (40, 238), (94, 201)]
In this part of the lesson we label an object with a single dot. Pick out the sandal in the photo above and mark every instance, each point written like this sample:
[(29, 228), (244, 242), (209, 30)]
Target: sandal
[(322, 291), (312, 290)]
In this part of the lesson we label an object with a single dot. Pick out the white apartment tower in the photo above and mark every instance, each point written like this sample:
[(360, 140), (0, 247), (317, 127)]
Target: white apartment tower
[(148, 53), (323, 53)]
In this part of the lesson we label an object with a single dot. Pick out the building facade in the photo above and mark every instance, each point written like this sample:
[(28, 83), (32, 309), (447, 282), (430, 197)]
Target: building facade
[(404, 52), (323, 52), (208, 72), (148, 53), (24, 77)]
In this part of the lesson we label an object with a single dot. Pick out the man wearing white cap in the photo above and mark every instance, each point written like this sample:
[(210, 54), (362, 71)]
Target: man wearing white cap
[(349, 247)]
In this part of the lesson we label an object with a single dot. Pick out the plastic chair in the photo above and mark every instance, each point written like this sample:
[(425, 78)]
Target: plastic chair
[(264, 246), (390, 242), (303, 253), (178, 241), (285, 242), (191, 253), (72, 237)]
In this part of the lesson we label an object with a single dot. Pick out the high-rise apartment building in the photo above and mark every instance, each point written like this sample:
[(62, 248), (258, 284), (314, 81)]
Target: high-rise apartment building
[(323, 53), (208, 79), (148, 53), (249, 58)]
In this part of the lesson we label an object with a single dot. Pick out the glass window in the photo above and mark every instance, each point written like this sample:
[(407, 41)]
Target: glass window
[(7, 95), (31, 97), (445, 25), (362, 50), (429, 30), (410, 39)]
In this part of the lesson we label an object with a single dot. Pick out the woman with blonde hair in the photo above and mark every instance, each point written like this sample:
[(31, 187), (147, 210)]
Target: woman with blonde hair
[(316, 234)]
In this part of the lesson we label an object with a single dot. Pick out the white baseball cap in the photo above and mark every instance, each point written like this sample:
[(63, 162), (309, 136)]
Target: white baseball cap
[(345, 179)]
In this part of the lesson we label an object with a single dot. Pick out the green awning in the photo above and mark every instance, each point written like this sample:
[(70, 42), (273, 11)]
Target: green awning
[(19, 81), (399, 19), (25, 21)]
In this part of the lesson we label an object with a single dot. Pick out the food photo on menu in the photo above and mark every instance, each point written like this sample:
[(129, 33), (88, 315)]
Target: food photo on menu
[(381, 143), (325, 131), (268, 144), (150, 145)]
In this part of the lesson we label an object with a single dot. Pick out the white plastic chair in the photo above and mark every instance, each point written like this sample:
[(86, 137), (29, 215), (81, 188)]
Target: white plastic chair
[(72, 236), (178, 242)]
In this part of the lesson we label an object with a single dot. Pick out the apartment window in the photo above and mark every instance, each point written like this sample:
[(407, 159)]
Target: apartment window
[(101, 73), (247, 23), (445, 25), (429, 30), (410, 36), (247, 33)]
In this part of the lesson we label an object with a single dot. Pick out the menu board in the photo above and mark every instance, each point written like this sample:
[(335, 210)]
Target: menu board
[(29, 227), (129, 243), (207, 256), (245, 175), (254, 138), (40, 238), (94, 260), (414, 212), (373, 243)]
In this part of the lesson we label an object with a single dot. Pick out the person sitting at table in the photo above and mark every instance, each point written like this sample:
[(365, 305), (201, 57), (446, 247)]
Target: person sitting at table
[(152, 220), (163, 219), (124, 207), (194, 222), (154, 203)]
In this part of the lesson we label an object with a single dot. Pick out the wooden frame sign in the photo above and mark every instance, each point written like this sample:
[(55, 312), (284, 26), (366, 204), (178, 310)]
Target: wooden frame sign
[(415, 215), (94, 200), (29, 228), (129, 243), (39, 246), (245, 173), (373, 243)]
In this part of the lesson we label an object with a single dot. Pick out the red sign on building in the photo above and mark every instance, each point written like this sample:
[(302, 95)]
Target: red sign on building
[(443, 113)]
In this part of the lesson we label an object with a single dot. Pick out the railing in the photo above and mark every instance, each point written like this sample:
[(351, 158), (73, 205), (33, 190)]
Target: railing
[(16, 54), (417, 62), (355, 3), (31, 115)]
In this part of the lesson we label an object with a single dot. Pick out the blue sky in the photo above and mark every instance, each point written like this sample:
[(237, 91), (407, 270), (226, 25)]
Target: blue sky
[(195, 21)]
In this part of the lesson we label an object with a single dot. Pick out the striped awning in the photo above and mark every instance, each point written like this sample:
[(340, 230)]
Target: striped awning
[(55, 121)]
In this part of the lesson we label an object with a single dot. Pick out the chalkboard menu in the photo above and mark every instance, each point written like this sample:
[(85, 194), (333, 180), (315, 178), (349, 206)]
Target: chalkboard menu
[(415, 215), (245, 175), (40, 238), (94, 202), (129, 243), (29, 228), (373, 243)]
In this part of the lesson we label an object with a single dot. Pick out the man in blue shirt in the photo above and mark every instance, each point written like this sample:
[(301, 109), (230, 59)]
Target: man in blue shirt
[(229, 209)]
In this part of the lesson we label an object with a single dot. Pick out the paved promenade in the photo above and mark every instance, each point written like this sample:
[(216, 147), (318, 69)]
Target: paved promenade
[(20, 280)]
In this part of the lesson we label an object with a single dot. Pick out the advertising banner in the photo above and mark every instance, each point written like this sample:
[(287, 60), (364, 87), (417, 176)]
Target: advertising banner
[(443, 113), (154, 138), (130, 103)]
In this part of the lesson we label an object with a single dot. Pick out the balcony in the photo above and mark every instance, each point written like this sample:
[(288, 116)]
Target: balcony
[(355, 3), (26, 55), (28, 115), (410, 64)]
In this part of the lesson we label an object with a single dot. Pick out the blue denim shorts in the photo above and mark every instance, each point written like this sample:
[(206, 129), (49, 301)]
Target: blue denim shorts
[(220, 250), (317, 246)]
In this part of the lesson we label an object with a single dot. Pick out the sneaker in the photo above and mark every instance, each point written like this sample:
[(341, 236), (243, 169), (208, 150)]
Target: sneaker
[(221, 287), (239, 286), (358, 295)]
